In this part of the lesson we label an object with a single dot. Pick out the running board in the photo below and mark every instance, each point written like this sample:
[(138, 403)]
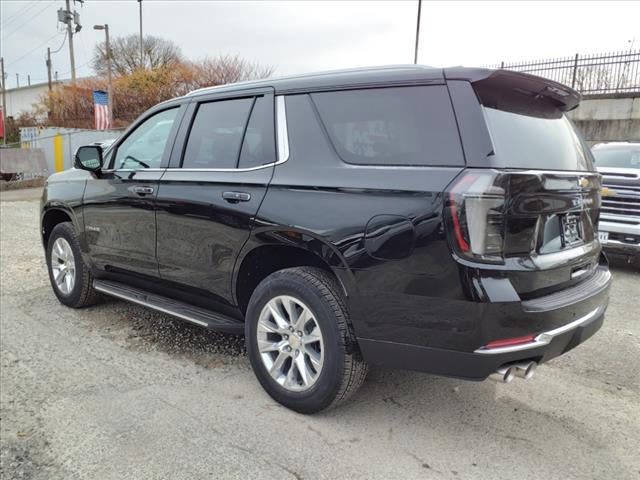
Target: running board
[(196, 315)]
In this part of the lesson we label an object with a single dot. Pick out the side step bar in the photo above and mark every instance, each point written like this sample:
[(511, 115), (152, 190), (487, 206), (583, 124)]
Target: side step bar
[(181, 310)]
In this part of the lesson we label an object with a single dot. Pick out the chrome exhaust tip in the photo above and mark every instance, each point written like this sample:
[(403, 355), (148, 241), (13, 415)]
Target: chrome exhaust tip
[(504, 374), (525, 370)]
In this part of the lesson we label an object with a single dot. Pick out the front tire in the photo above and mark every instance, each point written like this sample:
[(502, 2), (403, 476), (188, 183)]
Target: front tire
[(300, 342), (70, 278)]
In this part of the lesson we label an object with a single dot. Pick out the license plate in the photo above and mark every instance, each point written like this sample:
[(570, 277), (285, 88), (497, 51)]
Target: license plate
[(571, 229), (603, 237)]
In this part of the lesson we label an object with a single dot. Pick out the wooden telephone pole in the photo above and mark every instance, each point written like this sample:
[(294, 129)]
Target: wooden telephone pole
[(49, 68), (4, 99)]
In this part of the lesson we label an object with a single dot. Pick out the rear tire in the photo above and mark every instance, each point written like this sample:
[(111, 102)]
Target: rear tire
[(318, 364), (70, 278)]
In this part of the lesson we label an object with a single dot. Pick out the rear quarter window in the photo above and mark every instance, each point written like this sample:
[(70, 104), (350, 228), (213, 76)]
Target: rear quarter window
[(412, 126)]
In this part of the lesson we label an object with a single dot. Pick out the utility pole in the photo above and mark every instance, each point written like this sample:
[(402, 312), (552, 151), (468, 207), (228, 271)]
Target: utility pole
[(415, 55), (4, 99), (141, 45), (29, 79), (69, 18), (17, 80), (105, 27), (49, 68), (49, 103)]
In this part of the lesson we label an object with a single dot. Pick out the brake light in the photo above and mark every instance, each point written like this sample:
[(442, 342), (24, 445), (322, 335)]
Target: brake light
[(509, 342), (475, 213)]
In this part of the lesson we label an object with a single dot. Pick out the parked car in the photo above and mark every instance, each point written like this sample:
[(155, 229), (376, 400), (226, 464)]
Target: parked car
[(619, 229), (437, 220)]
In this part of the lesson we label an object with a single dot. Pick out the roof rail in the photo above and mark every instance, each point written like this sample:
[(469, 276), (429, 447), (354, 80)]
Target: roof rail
[(312, 75)]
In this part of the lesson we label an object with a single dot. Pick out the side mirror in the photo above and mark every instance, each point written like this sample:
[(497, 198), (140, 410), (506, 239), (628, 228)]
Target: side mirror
[(88, 158)]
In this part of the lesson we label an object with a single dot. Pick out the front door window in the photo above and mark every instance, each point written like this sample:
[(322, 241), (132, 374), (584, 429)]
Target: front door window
[(144, 147)]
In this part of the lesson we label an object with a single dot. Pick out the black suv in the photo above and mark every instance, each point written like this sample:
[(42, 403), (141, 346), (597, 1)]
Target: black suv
[(410, 217)]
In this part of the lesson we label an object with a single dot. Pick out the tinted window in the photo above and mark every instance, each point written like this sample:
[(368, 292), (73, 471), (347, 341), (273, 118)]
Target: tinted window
[(540, 142), (144, 147), (620, 157), (216, 134), (392, 126), (258, 147)]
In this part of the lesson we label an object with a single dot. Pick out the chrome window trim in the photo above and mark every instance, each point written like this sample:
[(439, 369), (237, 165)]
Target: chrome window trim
[(543, 338), (282, 147), (282, 134), (115, 170)]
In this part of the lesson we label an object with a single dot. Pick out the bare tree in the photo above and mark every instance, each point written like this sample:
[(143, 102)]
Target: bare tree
[(158, 53), (593, 78), (229, 69)]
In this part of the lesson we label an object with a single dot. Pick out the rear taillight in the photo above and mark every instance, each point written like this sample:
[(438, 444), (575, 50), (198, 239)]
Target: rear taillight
[(475, 212)]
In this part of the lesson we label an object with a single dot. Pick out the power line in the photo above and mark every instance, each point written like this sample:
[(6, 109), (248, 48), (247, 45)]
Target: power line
[(77, 68), (17, 14), (29, 19), (20, 12), (61, 45), (33, 50)]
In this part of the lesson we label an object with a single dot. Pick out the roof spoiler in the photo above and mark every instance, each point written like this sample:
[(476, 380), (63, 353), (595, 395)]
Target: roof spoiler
[(509, 90)]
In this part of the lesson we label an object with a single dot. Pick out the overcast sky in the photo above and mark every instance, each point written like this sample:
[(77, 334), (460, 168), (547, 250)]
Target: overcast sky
[(309, 36)]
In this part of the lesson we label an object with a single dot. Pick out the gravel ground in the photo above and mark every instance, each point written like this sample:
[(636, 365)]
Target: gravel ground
[(119, 392)]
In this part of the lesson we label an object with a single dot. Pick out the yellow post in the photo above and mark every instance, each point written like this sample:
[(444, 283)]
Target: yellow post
[(58, 153)]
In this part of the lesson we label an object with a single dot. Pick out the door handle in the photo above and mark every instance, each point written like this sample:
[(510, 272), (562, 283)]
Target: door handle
[(142, 190), (235, 197)]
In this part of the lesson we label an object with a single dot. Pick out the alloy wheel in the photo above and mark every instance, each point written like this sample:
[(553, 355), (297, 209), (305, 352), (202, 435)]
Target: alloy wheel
[(63, 265), (290, 343)]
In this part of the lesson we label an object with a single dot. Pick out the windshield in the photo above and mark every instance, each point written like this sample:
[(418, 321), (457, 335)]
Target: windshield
[(622, 157), (536, 142)]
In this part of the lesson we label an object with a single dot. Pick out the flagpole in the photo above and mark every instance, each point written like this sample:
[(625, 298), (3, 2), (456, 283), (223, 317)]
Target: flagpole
[(105, 27), (109, 87)]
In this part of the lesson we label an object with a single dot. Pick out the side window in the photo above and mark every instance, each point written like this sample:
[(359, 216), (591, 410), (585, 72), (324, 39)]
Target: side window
[(258, 147), (216, 134), (392, 126), (144, 147)]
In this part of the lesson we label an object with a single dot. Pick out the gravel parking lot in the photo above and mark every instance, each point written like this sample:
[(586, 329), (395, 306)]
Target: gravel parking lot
[(119, 392)]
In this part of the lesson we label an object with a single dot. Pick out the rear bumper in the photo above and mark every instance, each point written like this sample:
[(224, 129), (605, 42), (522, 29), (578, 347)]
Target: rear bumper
[(479, 365), (582, 316)]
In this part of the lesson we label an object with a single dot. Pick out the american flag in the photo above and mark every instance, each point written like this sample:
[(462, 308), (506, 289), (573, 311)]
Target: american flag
[(101, 109)]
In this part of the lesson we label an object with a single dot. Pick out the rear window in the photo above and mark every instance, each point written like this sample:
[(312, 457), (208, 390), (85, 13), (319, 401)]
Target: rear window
[(617, 157), (392, 126), (536, 142)]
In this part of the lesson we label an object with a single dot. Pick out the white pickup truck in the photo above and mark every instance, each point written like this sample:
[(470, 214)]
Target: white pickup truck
[(619, 164)]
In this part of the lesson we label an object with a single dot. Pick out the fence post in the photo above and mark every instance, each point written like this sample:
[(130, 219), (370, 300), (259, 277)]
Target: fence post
[(575, 70), (502, 66)]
